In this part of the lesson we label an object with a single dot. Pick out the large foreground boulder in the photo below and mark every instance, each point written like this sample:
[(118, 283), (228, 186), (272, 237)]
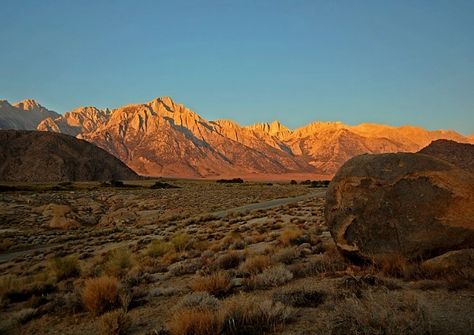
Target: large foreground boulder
[(409, 204)]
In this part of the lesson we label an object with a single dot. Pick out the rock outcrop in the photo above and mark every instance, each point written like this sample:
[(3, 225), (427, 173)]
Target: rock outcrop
[(44, 156), (409, 204), (459, 154)]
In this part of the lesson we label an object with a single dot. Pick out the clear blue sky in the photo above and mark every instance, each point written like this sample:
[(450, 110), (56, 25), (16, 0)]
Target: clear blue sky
[(395, 62)]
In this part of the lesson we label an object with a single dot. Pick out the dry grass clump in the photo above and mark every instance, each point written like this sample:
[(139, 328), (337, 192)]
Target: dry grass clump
[(286, 255), (247, 315), (195, 322), (18, 289), (270, 277), (230, 260), (199, 300), (300, 297), (388, 314), (255, 264), (396, 265), (101, 294), (290, 236), (217, 284), (115, 323), (158, 248), (65, 267), (243, 314), (181, 241), (119, 262), (188, 266)]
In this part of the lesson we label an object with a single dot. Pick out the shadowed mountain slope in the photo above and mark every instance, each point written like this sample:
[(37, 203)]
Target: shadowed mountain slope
[(44, 156)]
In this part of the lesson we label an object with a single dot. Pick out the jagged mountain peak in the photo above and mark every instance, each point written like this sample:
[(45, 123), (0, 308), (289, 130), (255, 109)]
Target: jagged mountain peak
[(274, 128), (29, 105)]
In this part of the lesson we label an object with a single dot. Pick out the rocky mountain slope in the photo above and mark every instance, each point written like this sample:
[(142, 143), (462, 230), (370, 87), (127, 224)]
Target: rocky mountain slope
[(163, 138), (26, 114), (80, 120), (44, 156)]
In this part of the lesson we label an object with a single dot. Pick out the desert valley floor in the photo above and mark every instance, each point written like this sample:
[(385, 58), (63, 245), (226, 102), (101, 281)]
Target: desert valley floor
[(202, 258)]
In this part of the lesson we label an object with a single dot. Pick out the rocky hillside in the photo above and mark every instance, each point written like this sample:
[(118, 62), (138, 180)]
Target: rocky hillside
[(80, 120), (163, 138), (44, 156), (26, 114), (459, 154)]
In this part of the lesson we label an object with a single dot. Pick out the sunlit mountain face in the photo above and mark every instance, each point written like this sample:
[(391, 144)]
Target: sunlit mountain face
[(164, 138)]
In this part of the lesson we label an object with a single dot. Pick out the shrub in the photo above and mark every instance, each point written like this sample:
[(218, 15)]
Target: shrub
[(230, 260), (230, 181), (181, 242), (217, 284), (300, 297), (395, 265), (270, 277), (65, 267), (188, 266), (195, 322), (115, 323), (101, 294), (17, 289), (389, 314), (290, 235), (158, 248), (286, 255), (240, 315), (199, 300), (119, 262), (249, 315), (255, 264)]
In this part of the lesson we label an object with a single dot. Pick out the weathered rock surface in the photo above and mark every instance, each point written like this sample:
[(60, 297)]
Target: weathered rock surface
[(59, 216), (44, 156), (459, 154), (458, 261), (411, 204)]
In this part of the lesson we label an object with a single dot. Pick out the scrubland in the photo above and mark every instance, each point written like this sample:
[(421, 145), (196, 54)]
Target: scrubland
[(181, 261)]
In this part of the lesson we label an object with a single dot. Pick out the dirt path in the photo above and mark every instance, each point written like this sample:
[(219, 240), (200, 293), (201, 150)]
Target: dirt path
[(8, 256), (270, 203)]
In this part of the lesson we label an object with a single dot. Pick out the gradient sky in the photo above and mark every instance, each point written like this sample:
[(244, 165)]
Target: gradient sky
[(394, 62)]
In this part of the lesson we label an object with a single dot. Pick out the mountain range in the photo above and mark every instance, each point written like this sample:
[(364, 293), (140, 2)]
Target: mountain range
[(164, 138)]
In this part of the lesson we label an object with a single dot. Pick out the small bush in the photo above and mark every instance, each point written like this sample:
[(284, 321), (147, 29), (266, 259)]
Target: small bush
[(248, 315), (230, 260), (65, 267), (300, 297), (195, 322), (217, 284), (119, 262), (287, 255), (181, 242), (158, 248), (255, 264), (115, 323), (395, 265), (101, 294), (230, 181), (290, 235), (389, 314), (199, 300), (270, 277)]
